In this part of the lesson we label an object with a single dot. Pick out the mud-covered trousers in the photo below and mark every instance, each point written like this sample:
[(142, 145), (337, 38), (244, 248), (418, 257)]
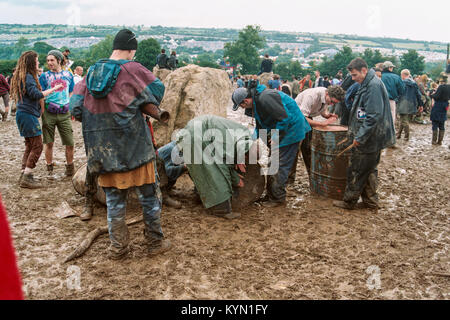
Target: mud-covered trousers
[(116, 202), (173, 171), (286, 158), (91, 184), (362, 178)]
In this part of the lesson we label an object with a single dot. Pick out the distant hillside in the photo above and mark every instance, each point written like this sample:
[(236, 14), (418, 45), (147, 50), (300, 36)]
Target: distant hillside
[(10, 33)]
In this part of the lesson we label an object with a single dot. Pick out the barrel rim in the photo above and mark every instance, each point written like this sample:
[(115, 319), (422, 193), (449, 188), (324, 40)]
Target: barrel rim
[(321, 129)]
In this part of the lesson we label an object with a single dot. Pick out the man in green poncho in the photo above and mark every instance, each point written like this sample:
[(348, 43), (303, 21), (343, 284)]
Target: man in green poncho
[(214, 150)]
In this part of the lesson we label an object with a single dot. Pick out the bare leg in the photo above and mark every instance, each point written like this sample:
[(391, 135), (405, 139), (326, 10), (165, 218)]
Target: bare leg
[(69, 154), (49, 153)]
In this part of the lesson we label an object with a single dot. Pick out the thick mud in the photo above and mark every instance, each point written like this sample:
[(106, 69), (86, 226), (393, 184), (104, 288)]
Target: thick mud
[(308, 250)]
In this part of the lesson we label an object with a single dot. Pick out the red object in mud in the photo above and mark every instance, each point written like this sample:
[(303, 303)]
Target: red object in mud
[(10, 283)]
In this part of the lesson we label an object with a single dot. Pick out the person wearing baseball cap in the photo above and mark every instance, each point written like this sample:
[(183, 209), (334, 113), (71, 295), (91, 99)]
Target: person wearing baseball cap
[(279, 115), (394, 86)]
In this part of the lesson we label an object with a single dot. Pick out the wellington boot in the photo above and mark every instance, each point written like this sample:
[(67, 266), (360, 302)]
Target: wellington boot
[(434, 138), (441, 137)]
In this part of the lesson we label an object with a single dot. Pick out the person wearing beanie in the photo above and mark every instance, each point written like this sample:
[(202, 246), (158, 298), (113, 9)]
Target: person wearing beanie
[(56, 110), (110, 104)]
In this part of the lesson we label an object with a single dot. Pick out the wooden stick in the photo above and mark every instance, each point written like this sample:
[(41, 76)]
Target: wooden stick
[(342, 142), (441, 274), (90, 238), (350, 147)]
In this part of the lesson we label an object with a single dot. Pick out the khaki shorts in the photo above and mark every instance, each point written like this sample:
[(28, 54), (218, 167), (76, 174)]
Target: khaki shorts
[(63, 122)]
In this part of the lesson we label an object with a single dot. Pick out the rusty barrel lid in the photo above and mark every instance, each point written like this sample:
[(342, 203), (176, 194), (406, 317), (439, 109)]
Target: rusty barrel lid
[(332, 128)]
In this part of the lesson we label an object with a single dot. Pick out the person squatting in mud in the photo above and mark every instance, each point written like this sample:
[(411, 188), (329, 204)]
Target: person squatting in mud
[(278, 115), (214, 150), (371, 129), (26, 90), (110, 104)]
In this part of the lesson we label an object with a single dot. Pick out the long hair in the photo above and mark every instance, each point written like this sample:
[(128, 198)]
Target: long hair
[(26, 64)]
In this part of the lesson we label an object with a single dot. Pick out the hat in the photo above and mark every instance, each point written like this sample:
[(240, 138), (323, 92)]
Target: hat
[(238, 96), (125, 40), (388, 64), (57, 54)]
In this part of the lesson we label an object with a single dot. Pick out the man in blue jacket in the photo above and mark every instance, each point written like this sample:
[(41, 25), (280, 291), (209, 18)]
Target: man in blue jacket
[(279, 116), (394, 86), (409, 103), (371, 129)]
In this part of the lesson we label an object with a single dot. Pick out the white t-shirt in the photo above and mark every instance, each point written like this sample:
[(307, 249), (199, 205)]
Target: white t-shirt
[(312, 102), (77, 78)]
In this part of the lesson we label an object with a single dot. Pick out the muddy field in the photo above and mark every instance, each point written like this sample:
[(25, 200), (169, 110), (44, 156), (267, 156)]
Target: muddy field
[(308, 250)]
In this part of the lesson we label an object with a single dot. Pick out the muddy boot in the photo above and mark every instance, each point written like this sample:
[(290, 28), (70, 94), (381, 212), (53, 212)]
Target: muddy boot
[(221, 209), (170, 202), (50, 168), (343, 205), (117, 254), (434, 138), (274, 204), (441, 137), (28, 181), (156, 247), (4, 116), (88, 210), (70, 170)]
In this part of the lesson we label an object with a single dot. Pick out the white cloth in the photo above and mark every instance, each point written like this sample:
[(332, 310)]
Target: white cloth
[(312, 102), (77, 78)]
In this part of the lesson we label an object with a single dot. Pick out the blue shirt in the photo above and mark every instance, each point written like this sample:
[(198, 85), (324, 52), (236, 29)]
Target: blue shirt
[(30, 100), (276, 110), (51, 79)]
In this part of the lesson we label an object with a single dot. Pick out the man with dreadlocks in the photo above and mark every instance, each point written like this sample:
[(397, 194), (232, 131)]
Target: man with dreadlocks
[(26, 90)]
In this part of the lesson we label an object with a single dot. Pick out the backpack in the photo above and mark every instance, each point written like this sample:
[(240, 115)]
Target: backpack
[(102, 77)]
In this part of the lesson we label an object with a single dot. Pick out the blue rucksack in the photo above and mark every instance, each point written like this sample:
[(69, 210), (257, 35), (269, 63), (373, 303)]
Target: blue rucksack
[(102, 77)]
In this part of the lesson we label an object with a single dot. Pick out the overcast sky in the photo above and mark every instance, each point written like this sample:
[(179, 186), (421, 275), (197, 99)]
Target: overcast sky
[(412, 19)]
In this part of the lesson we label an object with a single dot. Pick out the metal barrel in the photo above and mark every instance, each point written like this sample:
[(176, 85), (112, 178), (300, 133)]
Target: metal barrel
[(254, 186), (328, 175), (79, 180)]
